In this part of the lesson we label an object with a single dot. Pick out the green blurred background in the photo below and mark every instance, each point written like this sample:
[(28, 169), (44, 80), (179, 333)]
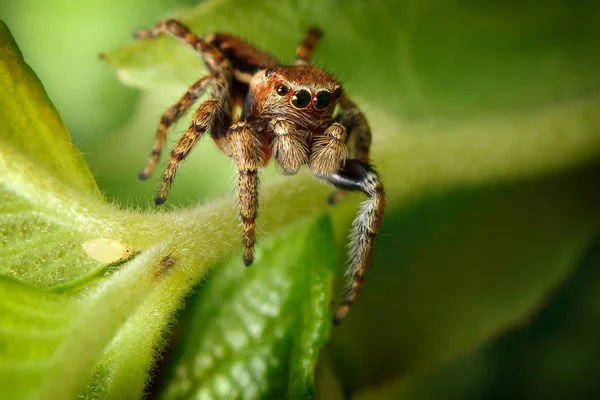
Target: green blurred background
[(477, 291)]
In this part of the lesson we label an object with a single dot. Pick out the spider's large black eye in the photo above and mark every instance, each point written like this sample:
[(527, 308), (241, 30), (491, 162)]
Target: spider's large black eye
[(301, 98), (268, 72), (322, 99), (337, 93), (282, 90)]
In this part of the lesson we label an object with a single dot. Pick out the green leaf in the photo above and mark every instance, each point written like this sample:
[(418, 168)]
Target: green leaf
[(32, 324), (50, 207), (58, 363), (104, 313), (256, 333), (47, 192), (32, 129)]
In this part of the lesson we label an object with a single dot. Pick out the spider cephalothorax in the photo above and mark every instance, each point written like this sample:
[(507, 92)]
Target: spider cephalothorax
[(293, 106), (296, 114)]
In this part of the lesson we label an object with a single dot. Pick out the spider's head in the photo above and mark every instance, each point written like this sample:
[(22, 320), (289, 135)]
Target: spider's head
[(307, 95)]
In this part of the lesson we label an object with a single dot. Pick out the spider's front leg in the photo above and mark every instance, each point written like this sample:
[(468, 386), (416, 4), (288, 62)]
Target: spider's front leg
[(210, 113), (357, 175), (213, 114), (169, 118), (246, 151), (212, 56)]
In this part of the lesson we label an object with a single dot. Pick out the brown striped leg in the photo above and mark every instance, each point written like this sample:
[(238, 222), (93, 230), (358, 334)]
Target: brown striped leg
[(212, 56), (246, 153), (202, 120), (215, 113), (356, 175), (328, 151), (306, 48), (358, 134), (169, 118)]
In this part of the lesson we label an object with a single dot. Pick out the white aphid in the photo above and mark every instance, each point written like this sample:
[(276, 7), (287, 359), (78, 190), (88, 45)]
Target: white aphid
[(106, 251)]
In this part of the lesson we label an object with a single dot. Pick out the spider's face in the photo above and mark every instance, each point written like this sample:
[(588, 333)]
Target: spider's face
[(306, 95)]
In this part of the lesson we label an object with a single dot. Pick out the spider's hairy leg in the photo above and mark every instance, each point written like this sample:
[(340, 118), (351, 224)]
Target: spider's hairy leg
[(290, 148), (169, 118), (246, 151), (357, 175), (214, 113), (212, 56), (202, 119), (307, 47), (359, 131), (358, 134), (328, 151)]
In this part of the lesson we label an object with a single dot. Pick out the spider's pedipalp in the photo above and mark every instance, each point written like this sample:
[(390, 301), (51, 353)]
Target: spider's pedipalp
[(246, 151), (169, 118), (307, 47), (328, 151), (290, 148), (356, 175)]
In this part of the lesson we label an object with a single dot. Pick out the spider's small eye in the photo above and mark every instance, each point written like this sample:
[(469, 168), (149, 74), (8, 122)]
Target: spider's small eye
[(301, 99), (338, 93), (268, 72), (282, 90), (322, 99)]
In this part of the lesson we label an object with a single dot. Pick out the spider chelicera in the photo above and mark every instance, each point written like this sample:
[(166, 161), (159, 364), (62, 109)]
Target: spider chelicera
[(288, 114)]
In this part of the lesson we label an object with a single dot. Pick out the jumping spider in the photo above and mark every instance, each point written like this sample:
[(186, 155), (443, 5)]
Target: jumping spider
[(288, 114)]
